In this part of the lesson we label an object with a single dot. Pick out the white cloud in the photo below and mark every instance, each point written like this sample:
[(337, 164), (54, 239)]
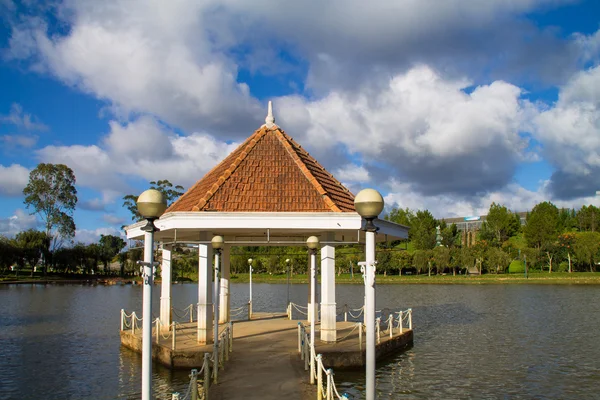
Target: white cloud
[(352, 173), (153, 59), (513, 196), (423, 127), (22, 120), (18, 222), (25, 140), (570, 134), (93, 235), (13, 179), (140, 149), (113, 219)]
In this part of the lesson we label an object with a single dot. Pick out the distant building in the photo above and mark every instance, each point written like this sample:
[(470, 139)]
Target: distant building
[(470, 225)]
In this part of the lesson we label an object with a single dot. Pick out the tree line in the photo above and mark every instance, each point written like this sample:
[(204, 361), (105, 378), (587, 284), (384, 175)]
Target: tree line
[(551, 239)]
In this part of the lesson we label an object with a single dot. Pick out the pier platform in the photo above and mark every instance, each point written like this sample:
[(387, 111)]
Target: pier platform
[(265, 362)]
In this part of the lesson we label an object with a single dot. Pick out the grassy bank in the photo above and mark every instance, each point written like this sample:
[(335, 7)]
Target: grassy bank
[(585, 278)]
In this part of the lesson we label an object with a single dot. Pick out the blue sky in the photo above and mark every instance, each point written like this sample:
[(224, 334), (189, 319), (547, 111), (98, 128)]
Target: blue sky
[(446, 106)]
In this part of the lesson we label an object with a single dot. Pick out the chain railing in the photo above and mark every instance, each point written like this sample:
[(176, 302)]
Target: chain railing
[(327, 390), (210, 367)]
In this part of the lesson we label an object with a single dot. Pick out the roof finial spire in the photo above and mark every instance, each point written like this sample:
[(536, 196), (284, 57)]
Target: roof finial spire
[(270, 120)]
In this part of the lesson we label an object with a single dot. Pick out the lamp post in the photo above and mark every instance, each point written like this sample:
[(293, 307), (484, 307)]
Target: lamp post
[(217, 244), (312, 243), (250, 300), (151, 205), (287, 263), (369, 203)]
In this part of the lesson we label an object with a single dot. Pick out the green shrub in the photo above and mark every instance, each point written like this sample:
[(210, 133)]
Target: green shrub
[(563, 266), (516, 266)]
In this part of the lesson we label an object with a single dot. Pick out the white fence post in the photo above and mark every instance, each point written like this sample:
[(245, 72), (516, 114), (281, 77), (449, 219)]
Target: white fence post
[(319, 377), (122, 319), (173, 338), (400, 318), (133, 323), (157, 323), (360, 329), (410, 318)]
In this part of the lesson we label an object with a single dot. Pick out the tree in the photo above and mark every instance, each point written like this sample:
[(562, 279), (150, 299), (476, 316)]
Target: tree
[(497, 259), (423, 230), (31, 245), (403, 259), (421, 259), (8, 253), (171, 194), (499, 225), (402, 216), (441, 258), (542, 225), (110, 246), (587, 218), (566, 243), (586, 247), (52, 195)]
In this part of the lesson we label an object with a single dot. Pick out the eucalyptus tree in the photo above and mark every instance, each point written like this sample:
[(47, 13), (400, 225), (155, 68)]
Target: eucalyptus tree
[(110, 246), (51, 194)]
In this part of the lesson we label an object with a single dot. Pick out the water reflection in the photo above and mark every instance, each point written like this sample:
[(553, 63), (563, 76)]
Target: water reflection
[(61, 342)]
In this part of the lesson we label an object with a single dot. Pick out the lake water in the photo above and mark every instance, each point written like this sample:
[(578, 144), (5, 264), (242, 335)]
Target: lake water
[(492, 341)]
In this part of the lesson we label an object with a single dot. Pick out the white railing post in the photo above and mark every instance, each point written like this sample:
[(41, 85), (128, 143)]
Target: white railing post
[(360, 331), (157, 323), (173, 338), (319, 377), (122, 319), (410, 318), (194, 384), (378, 329), (191, 307), (230, 336), (345, 312), (400, 318), (133, 323), (391, 325), (328, 394), (299, 337)]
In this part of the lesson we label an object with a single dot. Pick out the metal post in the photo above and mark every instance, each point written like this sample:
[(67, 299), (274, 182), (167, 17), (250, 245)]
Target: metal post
[(250, 301), (299, 338), (369, 278), (288, 282), (122, 319), (148, 277), (313, 262), (133, 323), (410, 319), (216, 323)]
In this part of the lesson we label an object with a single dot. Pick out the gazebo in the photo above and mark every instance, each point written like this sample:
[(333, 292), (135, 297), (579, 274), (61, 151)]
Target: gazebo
[(267, 192)]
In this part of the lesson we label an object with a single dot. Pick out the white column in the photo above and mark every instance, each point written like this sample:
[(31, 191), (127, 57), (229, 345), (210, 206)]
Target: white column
[(147, 316), (165, 288), (205, 306), (224, 303), (328, 323), (370, 307)]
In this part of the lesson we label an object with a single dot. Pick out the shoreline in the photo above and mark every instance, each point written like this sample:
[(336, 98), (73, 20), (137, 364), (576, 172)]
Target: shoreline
[(538, 278)]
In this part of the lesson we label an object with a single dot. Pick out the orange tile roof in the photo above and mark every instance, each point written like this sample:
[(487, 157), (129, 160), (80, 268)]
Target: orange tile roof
[(268, 172)]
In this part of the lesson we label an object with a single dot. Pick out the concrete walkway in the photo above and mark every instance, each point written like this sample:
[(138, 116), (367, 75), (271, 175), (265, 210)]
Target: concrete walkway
[(265, 363)]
